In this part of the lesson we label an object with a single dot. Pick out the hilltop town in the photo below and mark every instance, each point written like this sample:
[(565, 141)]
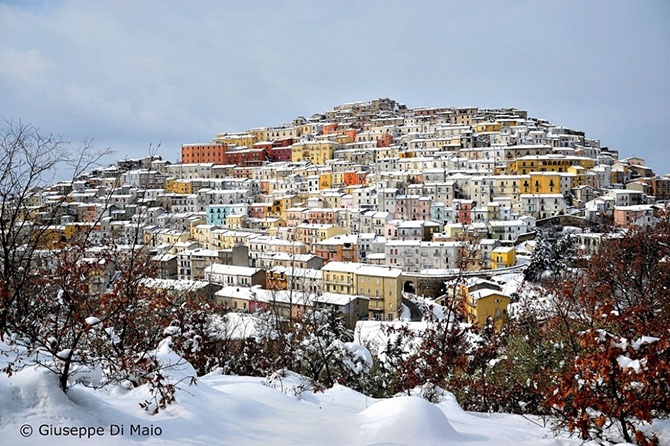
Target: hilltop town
[(374, 266), (357, 206)]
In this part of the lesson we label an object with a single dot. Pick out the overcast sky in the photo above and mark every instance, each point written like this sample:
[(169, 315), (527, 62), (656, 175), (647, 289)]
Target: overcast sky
[(133, 73)]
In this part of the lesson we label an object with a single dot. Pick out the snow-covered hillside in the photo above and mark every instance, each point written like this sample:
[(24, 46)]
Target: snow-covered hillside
[(232, 410), (217, 409)]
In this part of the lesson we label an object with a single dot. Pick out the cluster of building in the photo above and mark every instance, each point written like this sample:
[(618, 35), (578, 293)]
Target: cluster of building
[(355, 206)]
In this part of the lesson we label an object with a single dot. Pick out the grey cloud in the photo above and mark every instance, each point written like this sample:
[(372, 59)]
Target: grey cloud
[(130, 73)]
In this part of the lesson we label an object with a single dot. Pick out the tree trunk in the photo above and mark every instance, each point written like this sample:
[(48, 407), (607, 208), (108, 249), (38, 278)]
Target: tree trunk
[(65, 374), (624, 429)]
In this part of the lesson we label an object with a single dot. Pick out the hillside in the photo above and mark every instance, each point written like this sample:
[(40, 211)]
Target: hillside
[(236, 410)]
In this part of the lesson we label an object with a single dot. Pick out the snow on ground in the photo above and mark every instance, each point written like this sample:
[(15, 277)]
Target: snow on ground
[(238, 410), (233, 410), (511, 283), (373, 334), (405, 314), (235, 325)]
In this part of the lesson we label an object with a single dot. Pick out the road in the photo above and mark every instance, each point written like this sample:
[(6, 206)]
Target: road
[(414, 311)]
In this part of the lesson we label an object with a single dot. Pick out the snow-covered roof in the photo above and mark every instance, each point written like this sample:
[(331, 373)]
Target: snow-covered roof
[(481, 294), (176, 285), (233, 270), (258, 294), (290, 271), (504, 249), (363, 269)]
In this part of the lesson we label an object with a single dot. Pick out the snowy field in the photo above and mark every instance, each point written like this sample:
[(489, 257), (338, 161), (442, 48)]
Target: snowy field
[(238, 410), (231, 410)]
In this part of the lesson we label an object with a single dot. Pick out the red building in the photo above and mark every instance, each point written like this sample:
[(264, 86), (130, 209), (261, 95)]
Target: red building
[(354, 178), (263, 145), (282, 142), (385, 141), (245, 157), (203, 153), (281, 153)]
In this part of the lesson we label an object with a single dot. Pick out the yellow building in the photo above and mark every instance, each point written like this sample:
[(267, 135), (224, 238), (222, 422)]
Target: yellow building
[(170, 237), (51, 237), (543, 183), (73, 230), (486, 127), (503, 257), (177, 186), (236, 221), (169, 185), (281, 132), (244, 139), (382, 285), (579, 178), (203, 235), (228, 238), (222, 239), (339, 277), (317, 152), (328, 232), (304, 129), (454, 231), (388, 152), (34, 200), (484, 304), (343, 138), (546, 163), (337, 180), (325, 181), (261, 134), (270, 225), (149, 235)]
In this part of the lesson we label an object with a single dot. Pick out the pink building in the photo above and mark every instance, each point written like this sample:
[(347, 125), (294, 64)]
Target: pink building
[(463, 211), (259, 210), (322, 216), (631, 216)]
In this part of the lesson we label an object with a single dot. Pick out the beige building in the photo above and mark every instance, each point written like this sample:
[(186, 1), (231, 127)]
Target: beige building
[(382, 285)]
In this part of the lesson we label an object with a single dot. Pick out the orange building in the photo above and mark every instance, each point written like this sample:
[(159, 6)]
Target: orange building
[(351, 133), (203, 153), (354, 178), (327, 129), (385, 141)]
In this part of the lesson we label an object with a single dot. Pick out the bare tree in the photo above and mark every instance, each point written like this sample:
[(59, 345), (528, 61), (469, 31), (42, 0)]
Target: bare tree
[(29, 161)]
